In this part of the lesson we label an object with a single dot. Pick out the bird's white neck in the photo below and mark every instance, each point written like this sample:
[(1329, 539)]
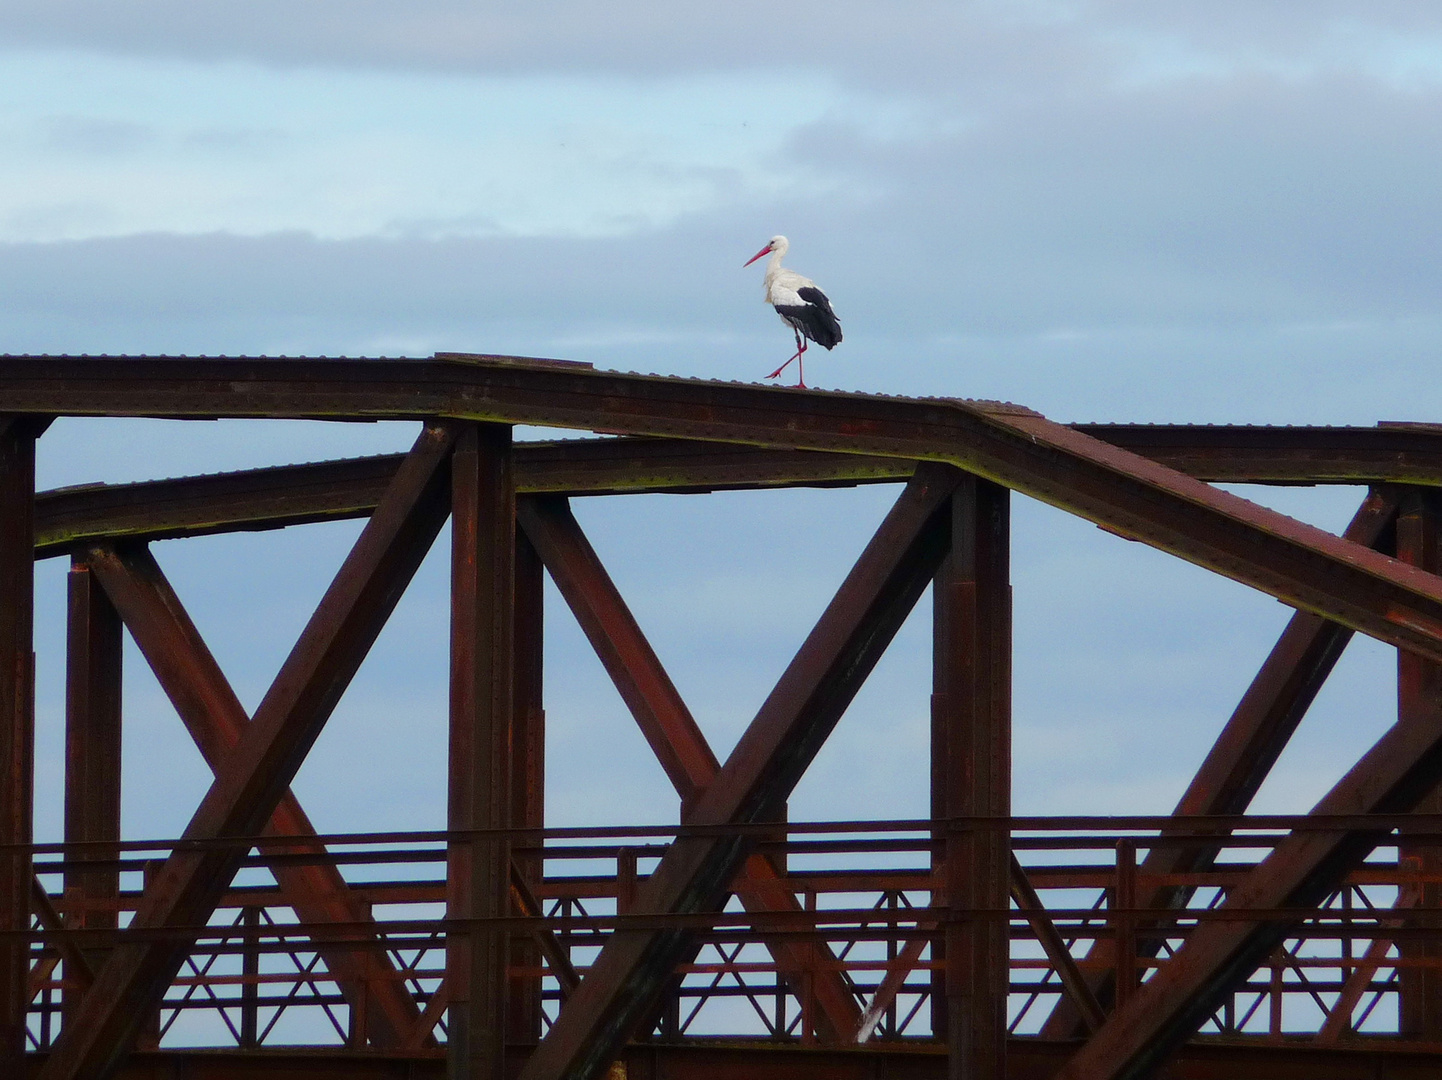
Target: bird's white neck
[(773, 264)]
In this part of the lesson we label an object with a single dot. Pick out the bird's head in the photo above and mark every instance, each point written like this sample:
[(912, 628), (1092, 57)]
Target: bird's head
[(777, 244)]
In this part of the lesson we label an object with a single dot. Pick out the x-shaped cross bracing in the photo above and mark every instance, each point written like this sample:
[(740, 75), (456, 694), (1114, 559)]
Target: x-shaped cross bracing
[(1248, 746), (258, 768), (696, 873), (676, 740), (215, 718), (1403, 767)]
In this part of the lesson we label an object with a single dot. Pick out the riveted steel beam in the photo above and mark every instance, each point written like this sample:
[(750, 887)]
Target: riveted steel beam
[(277, 497), (1248, 454), (259, 768), (1419, 693), (528, 791), (92, 750), (971, 778), (1115, 488), (627, 656), (478, 866)]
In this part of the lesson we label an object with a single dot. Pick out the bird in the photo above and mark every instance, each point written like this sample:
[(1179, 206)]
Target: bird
[(801, 305)]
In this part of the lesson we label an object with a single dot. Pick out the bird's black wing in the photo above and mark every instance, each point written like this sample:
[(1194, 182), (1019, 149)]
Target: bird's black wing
[(822, 326)]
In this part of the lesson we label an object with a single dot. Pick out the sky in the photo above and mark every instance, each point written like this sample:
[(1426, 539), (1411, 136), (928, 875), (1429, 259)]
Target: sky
[(1108, 211)]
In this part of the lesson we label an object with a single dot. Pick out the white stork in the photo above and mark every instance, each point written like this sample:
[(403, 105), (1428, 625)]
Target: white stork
[(801, 305)]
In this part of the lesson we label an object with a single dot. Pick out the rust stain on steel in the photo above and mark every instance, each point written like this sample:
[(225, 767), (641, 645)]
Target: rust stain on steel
[(627, 656), (971, 773), (482, 718), (285, 495), (93, 663), (1102, 479), (524, 1010), (1242, 453)]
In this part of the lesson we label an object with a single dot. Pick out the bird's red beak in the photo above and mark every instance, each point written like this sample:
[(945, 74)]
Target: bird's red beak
[(764, 251)]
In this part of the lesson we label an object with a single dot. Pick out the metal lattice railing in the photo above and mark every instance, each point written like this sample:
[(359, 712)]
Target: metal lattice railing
[(257, 976)]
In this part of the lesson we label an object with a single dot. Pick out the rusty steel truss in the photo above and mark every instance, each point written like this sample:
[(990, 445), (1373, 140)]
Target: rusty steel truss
[(972, 944)]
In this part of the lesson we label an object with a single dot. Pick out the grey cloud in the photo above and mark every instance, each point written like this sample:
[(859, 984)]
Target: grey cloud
[(558, 35), (56, 217), (1204, 202), (1254, 243), (435, 228), (1258, 201), (1282, 26), (923, 42)]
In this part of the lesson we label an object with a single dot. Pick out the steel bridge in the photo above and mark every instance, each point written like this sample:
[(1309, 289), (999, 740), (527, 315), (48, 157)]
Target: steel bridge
[(734, 943)]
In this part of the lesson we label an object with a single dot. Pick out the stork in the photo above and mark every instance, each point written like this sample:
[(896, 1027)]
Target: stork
[(801, 305)]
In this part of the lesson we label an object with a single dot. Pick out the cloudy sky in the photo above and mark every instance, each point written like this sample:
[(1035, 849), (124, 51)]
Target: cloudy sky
[(1146, 211)]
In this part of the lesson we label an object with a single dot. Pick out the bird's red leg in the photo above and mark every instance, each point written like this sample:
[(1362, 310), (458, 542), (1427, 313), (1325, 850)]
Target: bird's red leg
[(800, 368), (782, 368), (800, 348)]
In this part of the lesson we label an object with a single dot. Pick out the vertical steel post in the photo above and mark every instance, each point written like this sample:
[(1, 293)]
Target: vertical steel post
[(1419, 693), (92, 753), (808, 989), (1276, 996), (1124, 923), (149, 1036), (483, 533), (250, 970), (528, 778), (971, 778), (625, 880), (17, 730)]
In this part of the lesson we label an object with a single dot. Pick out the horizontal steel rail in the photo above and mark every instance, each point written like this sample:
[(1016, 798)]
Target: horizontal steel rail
[(741, 1061), (271, 498), (284, 495), (1254, 454), (1131, 495)]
